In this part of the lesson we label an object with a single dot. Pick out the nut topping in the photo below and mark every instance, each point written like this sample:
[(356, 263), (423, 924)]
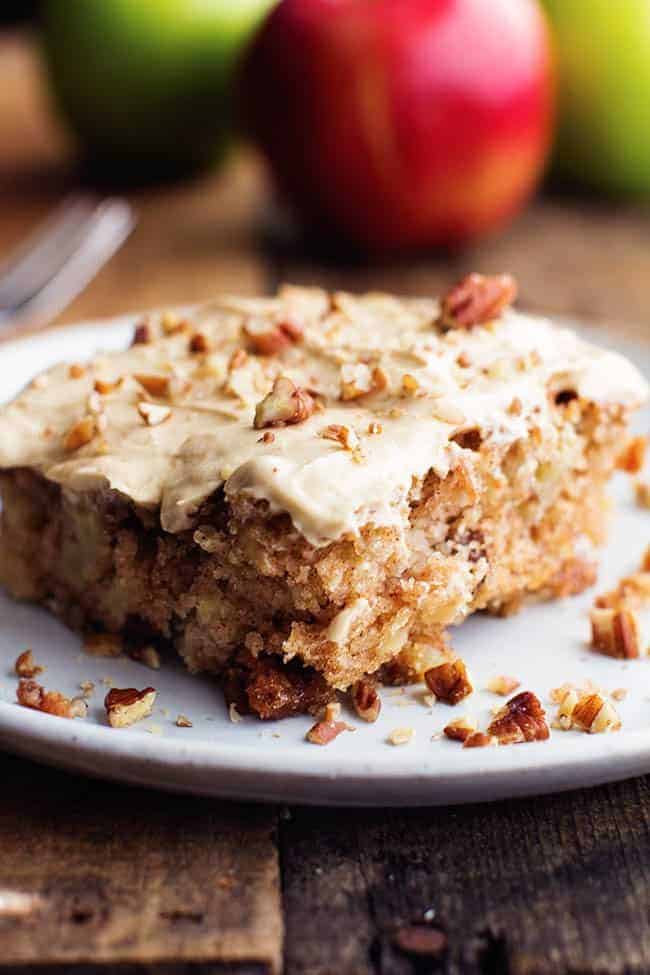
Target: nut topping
[(585, 710), (199, 344), (341, 434), (329, 728), (103, 386), (80, 434), (449, 682), (125, 706), (401, 736), (154, 414), (285, 404), (154, 385), (476, 300), (503, 685), (267, 338), (522, 719), (480, 740), (182, 721), (460, 729), (615, 633), (26, 666), (143, 334), (632, 457), (31, 695), (366, 700), (76, 371)]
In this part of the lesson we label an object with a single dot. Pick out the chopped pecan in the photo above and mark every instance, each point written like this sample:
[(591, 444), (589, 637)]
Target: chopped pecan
[(592, 713), (76, 371), (356, 380), (615, 633), (238, 359), (126, 705), (476, 299), (182, 721), (171, 323), (33, 695), (154, 384), (410, 385), (366, 700), (199, 344), (460, 729), (642, 493), (632, 592), (449, 681), (154, 414), (632, 457), (142, 334), (341, 434), (80, 433), (479, 739), (285, 404), (401, 736), (329, 728), (26, 666), (271, 338), (522, 719), (503, 685), (104, 386)]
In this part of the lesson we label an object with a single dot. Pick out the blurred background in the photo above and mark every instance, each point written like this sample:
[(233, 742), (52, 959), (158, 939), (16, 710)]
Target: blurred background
[(388, 144)]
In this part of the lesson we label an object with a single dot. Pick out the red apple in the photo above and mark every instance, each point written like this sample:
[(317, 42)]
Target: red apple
[(402, 123)]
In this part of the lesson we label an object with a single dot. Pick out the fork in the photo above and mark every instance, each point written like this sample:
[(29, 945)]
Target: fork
[(57, 262)]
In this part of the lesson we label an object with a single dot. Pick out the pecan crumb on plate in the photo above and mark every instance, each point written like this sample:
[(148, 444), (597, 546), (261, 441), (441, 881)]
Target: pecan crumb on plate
[(126, 705)]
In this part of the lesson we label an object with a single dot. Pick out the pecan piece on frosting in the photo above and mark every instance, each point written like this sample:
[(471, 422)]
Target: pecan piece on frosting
[(33, 695), (615, 633), (126, 705), (522, 719), (366, 700), (632, 457), (284, 405), (271, 338), (80, 433), (449, 682), (142, 334), (476, 299)]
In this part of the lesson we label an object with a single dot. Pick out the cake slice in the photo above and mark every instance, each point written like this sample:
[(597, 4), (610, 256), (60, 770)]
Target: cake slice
[(299, 491)]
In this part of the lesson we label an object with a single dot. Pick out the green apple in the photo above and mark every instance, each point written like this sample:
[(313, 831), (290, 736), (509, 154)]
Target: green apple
[(603, 49), (146, 85)]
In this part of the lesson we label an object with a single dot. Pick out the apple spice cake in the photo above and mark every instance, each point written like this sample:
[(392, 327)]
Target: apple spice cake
[(299, 491)]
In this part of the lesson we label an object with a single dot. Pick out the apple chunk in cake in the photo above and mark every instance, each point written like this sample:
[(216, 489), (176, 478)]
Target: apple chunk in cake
[(299, 491)]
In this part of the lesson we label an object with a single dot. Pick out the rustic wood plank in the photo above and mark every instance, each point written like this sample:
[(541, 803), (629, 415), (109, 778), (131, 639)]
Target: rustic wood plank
[(125, 875), (546, 886)]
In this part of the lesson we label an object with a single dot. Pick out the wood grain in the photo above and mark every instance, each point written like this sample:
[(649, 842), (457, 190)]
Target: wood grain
[(549, 886), (124, 875)]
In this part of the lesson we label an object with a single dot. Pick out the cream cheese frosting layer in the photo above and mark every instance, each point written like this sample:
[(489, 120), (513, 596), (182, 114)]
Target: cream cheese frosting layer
[(170, 420)]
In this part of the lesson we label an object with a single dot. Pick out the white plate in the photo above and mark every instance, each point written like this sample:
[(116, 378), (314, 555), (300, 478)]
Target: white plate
[(543, 646)]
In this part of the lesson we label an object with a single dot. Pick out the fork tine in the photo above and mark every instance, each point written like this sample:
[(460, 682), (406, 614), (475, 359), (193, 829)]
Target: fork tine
[(109, 226), (36, 260)]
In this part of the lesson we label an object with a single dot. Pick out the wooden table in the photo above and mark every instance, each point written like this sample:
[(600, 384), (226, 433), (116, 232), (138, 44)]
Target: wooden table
[(127, 879)]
